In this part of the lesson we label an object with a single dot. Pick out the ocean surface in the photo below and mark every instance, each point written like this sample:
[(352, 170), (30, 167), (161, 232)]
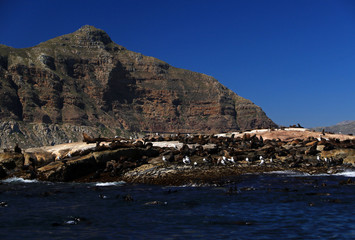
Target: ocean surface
[(279, 205)]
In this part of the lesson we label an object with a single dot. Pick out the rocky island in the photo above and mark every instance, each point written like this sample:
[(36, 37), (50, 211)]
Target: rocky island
[(180, 159)]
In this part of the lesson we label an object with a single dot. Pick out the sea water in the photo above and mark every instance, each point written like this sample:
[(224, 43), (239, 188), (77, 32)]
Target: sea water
[(280, 205)]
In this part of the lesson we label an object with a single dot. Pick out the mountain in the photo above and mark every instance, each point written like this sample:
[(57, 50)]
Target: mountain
[(345, 127), (84, 79)]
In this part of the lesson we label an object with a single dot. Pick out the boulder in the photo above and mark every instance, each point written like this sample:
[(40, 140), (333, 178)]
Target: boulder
[(11, 160)]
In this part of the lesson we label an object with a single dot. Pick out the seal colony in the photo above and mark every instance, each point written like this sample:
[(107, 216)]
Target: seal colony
[(183, 158)]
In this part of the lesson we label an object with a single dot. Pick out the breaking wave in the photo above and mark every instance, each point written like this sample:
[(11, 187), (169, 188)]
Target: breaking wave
[(346, 174), (18, 180), (108, 184)]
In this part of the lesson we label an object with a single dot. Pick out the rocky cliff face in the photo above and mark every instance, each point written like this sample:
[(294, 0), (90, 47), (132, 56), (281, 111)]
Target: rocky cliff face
[(85, 79)]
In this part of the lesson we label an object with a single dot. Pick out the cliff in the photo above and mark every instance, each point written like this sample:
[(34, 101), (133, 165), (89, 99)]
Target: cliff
[(84, 79)]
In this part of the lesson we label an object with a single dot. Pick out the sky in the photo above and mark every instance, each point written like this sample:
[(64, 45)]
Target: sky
[(293, 58)]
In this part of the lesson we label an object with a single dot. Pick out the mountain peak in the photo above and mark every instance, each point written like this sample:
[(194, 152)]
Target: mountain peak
[(86, 37), (89, 28), (92, 35)]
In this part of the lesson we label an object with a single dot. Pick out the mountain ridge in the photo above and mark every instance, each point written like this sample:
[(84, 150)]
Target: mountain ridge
[(85, 79), (344, 127)]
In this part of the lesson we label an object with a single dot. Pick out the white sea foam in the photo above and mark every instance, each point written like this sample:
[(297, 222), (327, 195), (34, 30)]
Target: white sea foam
[(18, 180), (346, 174), (196, 185), (288, 173), (300, 174), (107, 184)]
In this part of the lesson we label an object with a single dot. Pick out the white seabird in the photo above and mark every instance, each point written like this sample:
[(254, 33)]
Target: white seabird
[(247, 160), (262, 161), (186, 160), (164, 159)]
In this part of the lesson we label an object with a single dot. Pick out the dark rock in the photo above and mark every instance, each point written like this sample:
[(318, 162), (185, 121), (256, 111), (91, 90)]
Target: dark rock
[(3, 172), (11, 160)]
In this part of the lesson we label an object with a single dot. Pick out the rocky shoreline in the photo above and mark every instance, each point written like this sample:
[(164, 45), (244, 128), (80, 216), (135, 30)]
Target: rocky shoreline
[(179, 159)]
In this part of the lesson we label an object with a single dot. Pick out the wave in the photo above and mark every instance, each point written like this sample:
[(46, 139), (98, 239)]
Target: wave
[(18, 180), (301, 174), (289, 173), (107, 184), (346, 174), (195, 185)]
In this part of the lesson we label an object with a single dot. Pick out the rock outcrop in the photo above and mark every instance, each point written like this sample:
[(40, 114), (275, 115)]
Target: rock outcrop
[(28, 135), (85, 79), (178, 159)]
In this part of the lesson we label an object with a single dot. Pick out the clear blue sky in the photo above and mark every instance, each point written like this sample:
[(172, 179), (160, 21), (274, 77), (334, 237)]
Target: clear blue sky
[(295, 59)]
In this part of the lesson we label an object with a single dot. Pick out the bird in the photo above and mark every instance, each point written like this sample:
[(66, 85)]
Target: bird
[(69, 155), (247, 160), (195, 163), (164, 159), (204, 160), (320, 138), (262, 161), (318, 158), (232, 160), (186, 160), (270, 160), (223, 162)]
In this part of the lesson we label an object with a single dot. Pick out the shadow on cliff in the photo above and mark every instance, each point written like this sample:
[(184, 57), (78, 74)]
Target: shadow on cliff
[(120, 90)]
